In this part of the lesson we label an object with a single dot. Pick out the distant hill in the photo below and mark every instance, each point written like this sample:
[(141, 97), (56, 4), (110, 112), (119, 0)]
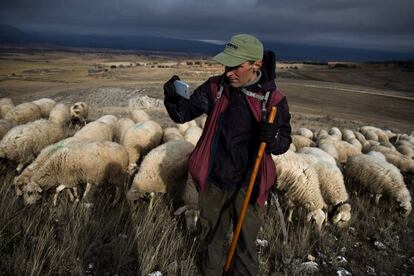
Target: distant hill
[(284, 51)]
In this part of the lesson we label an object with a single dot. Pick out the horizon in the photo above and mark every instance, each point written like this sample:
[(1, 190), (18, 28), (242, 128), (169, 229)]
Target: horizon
[(367, 25)]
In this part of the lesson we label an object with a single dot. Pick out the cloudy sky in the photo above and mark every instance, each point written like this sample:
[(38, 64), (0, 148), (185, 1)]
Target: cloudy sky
[(368, 24)]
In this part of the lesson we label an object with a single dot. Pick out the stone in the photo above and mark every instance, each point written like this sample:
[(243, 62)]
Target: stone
[(308, 267)]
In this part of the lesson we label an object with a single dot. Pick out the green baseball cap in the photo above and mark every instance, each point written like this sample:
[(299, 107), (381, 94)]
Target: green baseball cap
[(241, 48)]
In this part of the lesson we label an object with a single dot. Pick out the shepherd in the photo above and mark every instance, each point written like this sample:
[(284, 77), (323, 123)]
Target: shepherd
[(237, 104)]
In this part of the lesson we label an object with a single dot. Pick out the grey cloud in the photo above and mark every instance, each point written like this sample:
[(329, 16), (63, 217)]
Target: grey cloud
[(365, 23)]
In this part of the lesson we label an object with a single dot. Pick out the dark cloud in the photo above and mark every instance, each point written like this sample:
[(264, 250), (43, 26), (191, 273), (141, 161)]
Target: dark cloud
[(380, 24)]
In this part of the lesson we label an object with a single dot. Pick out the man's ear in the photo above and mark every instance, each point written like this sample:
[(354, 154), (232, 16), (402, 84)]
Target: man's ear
[(257, 65)]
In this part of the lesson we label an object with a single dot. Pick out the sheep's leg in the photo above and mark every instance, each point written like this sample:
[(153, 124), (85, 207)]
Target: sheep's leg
[(71, 197), (58, 190), (20, 167), (290, 215), (152, 196), (116, 198), (377, 198), (75, 193), (87, 190)]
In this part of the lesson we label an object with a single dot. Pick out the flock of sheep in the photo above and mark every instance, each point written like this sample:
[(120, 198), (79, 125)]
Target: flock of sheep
[(311, 174)]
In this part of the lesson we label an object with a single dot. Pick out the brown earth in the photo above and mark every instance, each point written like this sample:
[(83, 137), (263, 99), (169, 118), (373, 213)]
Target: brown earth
[(313, 91)]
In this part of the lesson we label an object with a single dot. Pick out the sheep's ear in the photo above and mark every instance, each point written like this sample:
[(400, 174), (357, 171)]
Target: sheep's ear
[(308, 217), (337, 218), (180, 210), (18, 190), (36, 187)]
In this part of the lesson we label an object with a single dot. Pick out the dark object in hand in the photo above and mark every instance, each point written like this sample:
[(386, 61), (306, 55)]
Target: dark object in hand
[(169, 88), (268, 132)]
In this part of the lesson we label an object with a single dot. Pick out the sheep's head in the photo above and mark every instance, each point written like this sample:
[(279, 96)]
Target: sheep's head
[(318, 217), (191, 217), (79, 110), (31, 193), (134, 194), (405, 208), (342, 215), (18, 183)]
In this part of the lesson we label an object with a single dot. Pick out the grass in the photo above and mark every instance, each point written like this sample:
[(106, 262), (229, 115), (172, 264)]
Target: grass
[(131, 240)]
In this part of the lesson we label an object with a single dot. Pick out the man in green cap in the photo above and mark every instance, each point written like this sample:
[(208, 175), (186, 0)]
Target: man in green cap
[(237, 104)]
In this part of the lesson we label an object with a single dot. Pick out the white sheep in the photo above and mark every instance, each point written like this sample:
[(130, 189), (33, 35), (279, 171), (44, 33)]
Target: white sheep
[(193, 134), (139, 139), (91, 163), (5, 105), (331, 183), (406, 150), (202, 121), (343, 148), (403, 162), (183, 127), (329, 148), (321, 154), (361, 138), (305, 132), (139, 116), (300, 141), (79, 113), (322, 134), (379, 178), (170, 134), (5, 126), (190, 208), (96, 131), (403, 143), (371, 135), (109, 120), (122, 125), (347, 134), (162, 170), (45, 154), (299, 184), (24, 113), (335, 133), (24, 142), (383, 135), (59, 114), (46, 105)]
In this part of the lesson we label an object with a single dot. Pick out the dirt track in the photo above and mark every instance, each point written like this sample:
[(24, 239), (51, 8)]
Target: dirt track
[(380, 110)]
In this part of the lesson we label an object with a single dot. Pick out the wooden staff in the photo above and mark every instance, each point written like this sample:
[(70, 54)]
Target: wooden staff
[(247, 197)]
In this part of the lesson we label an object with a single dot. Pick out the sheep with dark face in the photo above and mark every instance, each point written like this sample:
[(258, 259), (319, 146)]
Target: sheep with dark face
[(79, 113), (190, 208)]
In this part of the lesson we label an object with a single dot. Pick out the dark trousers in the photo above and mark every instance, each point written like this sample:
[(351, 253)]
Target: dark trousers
[(218, 208)]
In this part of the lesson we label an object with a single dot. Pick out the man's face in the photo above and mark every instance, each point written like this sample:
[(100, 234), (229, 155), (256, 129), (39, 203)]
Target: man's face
[(240, 75)]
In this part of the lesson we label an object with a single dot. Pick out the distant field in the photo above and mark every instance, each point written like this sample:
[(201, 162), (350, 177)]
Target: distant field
[(379, 94)]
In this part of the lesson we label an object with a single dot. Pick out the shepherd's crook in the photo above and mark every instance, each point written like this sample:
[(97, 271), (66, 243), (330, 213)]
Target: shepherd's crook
[(247, 197)]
